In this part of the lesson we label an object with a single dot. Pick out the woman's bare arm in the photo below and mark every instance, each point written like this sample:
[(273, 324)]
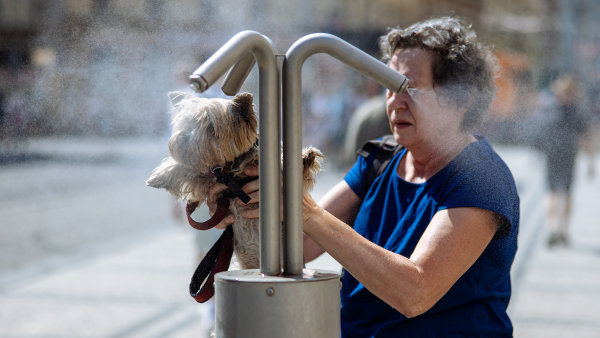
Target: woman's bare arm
[(341, 202), (454, 239)]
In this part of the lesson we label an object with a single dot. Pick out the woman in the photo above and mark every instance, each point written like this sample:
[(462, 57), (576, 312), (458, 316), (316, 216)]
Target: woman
[(431, 246), (427, 248)]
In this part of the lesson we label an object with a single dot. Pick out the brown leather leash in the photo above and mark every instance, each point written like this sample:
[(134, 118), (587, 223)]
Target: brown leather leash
[(219, 215), (216, 260), (218, 257)]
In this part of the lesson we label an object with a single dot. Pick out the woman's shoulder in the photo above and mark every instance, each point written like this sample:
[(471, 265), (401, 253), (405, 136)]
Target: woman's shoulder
[(480, 178), (480, 156), (478, 173)]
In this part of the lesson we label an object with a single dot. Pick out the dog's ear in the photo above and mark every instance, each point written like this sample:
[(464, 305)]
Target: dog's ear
[(242, 104), (171, 176)]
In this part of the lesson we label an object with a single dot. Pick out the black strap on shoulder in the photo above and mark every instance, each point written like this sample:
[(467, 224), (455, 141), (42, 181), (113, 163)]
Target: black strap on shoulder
[(384, 150)]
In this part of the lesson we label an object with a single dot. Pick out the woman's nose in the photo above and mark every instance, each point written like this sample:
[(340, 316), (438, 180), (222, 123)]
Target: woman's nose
[(396, 100)]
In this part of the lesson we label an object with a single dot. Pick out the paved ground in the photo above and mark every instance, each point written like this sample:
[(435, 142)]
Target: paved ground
[(557, 291), (86, 250)]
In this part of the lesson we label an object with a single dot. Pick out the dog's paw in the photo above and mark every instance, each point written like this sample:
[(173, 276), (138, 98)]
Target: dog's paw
[(312, 159)]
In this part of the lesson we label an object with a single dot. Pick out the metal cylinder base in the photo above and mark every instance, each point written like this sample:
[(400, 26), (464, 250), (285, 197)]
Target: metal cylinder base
[(249, 304)]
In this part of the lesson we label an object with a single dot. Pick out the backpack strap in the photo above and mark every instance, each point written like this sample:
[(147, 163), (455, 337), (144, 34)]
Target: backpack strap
[(384, 150)]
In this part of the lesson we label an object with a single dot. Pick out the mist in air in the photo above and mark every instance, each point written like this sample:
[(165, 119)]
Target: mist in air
[(84, 118), (104, 67)]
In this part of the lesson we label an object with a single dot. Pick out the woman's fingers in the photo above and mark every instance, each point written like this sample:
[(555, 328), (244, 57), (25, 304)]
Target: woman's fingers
[(252, 190), (227, 221), (213, 194), (251, 212), (309, 208), (211, 201), (251, 171)]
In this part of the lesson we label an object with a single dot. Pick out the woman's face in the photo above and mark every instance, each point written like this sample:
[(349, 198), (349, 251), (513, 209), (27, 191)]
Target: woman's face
[(419, 116)]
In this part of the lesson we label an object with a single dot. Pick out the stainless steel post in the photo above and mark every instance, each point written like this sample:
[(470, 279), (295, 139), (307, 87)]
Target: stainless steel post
[(251, 305), (292, 124), (261, 48), (263, 303)]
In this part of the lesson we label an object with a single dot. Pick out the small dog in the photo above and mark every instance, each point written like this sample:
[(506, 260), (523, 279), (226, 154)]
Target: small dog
[(214, 140)]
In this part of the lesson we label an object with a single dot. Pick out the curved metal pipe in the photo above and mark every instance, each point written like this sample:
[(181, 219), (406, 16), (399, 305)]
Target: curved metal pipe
[(238, 74), (292, 124), (261, 49)]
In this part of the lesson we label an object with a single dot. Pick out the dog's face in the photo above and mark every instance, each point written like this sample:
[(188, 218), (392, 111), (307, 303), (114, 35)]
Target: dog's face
[(206, 133), (211, 132)]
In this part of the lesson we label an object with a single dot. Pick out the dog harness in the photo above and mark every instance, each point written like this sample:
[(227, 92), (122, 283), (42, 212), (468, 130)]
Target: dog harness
[(218, 257)]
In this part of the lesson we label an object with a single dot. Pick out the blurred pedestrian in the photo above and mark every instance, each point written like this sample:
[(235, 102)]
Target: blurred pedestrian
[(566, 132), (369, 121)]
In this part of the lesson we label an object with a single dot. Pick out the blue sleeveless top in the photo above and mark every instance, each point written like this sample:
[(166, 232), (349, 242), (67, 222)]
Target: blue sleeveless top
[(395, 213)]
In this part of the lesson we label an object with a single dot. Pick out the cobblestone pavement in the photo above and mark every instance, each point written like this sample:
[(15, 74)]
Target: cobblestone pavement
[(86, 250)]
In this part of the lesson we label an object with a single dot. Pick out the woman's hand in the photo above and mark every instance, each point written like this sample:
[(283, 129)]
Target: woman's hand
[(310, 211), (211, 201), (252, 190), (340, 201)]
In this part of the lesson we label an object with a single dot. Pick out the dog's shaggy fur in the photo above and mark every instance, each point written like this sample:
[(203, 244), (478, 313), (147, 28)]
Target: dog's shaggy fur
[(208, 133)]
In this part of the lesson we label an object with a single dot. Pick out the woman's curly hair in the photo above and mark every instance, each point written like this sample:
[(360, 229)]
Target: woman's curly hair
[(463, 69)]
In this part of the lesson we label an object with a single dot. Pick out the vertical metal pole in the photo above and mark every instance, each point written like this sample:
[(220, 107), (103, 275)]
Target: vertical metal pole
[(292, 165), (292, 124), (269, 162)]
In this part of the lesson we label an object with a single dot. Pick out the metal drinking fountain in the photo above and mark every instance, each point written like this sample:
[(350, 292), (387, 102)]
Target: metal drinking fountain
[(246, 47), (275, 300)]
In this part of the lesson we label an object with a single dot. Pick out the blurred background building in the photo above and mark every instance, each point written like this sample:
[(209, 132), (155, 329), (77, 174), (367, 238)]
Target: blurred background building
[(103, 67)]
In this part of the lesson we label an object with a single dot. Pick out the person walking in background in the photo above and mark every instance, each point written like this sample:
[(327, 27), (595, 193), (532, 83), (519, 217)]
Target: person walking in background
[(566, 131), (368, 122)]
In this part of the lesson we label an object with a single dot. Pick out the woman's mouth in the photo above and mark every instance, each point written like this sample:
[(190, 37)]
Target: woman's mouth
[(401, 124)]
